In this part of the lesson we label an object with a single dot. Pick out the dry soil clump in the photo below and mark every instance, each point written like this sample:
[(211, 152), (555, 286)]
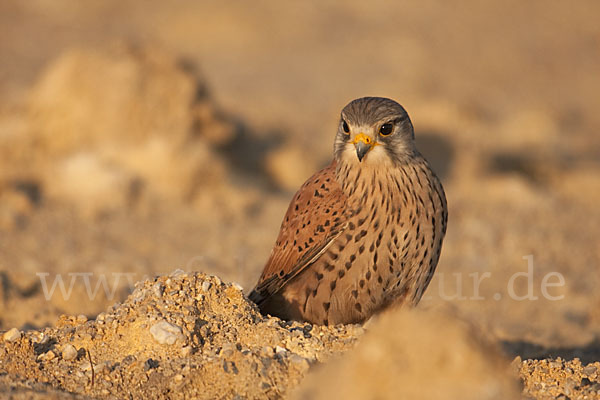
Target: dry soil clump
[(177, 336)]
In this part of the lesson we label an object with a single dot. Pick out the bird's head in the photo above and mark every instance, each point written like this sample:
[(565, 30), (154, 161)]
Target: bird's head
[(372, 131)]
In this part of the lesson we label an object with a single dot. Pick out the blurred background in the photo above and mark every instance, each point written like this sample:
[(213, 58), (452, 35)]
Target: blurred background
[(141, 137)]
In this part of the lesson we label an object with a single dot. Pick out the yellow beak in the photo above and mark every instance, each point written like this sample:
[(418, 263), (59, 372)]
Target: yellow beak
[(363, 144)]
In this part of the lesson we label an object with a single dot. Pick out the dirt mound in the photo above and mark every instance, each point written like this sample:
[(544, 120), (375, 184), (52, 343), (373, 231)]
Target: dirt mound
[(558, 378), (105, 125), (121, 95), (406, 355), (193, 336), (177, 336)]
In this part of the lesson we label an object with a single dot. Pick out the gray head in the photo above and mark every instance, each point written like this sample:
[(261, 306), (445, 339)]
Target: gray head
[(374, 130)]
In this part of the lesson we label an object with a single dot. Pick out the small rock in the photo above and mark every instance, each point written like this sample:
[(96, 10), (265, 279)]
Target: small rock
[(186, 351), (12, 335), (230, 367), (568, 387), (555, 364), (99, 368), (166, 333), (266, 351), (41, 338), (47, 356), (280, 350), (296, 333), (226, 351), (299, 361), (158, 289), (206, 285), (178, 378), (589, 370), (150, 364), (138, 295), (82, 319), (69, 352)]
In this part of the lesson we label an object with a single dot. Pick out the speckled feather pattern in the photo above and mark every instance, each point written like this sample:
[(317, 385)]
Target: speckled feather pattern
[(314, 219), (355, 240)]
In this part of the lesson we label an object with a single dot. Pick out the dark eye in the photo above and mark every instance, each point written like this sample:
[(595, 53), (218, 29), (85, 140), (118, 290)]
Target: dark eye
[(386, 129), (345, 127)]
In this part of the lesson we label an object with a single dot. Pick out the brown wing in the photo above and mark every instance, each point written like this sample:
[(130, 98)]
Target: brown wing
[(315, 217)]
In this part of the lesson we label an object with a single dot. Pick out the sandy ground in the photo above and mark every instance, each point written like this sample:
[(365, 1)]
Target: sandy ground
[(141, 138)]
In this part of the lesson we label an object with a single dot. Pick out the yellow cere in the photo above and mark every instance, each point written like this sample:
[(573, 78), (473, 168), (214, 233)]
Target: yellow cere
[(361, 137)]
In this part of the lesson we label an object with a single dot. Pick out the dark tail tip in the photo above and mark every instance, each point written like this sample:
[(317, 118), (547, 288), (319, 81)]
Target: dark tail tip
[(256, 297)]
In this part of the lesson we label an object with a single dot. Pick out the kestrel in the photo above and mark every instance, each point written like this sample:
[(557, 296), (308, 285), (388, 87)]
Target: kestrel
[(362, 234)]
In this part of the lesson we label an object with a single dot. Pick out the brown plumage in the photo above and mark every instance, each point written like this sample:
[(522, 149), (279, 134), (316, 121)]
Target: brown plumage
[(362, 234)]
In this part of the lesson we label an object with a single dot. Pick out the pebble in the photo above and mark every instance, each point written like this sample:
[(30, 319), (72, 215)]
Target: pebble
[(299, 360), (267, 351), (138, 295), (12, 335), (69, 352), (246, 351), (280, 350), (158, 289), (151, 364), (128, 360), (206, 285), (166, 333), (98, 368), (589, 370), (299, 334), (82, 319), (569, 385), (47, 356), (555, 364), (186, 351), (227, 350), (41, 338)]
